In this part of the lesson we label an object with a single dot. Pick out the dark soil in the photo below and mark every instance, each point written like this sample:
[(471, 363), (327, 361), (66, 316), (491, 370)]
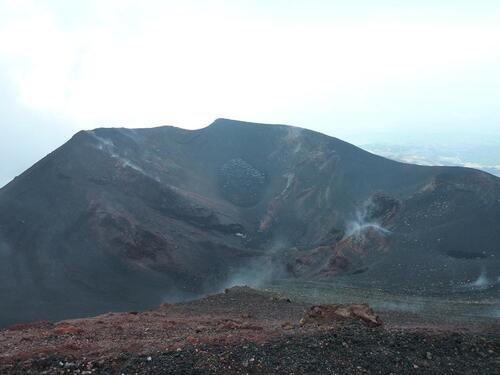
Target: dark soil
[(244, 332), (124, 219)]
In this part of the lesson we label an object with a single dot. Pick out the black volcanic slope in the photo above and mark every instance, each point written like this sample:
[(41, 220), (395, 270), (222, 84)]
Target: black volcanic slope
[(119, 219)]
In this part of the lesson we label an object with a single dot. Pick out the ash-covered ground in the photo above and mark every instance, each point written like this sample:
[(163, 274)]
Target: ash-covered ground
[(245, 331)]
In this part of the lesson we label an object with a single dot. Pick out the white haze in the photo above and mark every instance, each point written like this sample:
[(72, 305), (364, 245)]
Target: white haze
[(357, 228), (363, 71), (482, 282), (261, 270), (107, 146), (361, 223)]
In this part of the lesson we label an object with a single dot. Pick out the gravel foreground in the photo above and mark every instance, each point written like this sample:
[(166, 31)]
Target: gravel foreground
[(244, 332)]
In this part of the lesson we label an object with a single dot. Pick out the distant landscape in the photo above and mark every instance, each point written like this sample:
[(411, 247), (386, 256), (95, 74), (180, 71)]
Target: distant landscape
[(212, 187), (485, 156)]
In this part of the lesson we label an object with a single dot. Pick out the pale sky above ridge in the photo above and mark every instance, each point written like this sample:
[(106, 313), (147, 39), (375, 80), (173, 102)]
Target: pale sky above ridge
[(362, 71)]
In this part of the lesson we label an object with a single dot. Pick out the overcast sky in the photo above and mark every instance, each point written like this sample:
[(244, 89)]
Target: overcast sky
[(363, 71)]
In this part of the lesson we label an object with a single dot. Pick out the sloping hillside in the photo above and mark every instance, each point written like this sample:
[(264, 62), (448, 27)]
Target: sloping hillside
[(121, 219)]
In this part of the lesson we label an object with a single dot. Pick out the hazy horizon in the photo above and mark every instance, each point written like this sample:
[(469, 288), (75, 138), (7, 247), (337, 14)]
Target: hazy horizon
[(415, 73)]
